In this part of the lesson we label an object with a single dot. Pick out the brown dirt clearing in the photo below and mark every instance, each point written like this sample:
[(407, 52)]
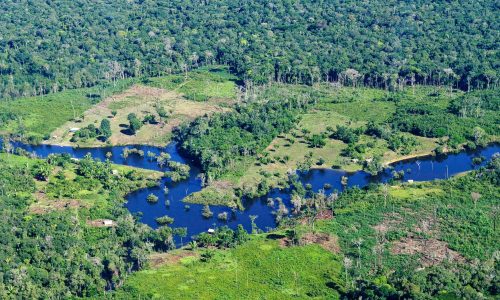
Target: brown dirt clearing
[(432, 251), (390, 222), (159, 259), (101, 223), (328, 242), (45, 205)]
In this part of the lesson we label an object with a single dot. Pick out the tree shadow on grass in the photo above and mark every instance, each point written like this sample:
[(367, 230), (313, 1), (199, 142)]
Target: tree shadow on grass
[(102, 139), (275, 236), (127, 131)]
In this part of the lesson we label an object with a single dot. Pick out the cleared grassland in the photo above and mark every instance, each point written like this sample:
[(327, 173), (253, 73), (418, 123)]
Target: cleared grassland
[(203, 84), (184, 96), (259, 269), (38, 116), (316, 122), (141, 100), (334, 106)]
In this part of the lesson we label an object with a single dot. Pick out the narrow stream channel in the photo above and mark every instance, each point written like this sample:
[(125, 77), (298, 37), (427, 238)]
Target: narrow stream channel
[(418, 169)]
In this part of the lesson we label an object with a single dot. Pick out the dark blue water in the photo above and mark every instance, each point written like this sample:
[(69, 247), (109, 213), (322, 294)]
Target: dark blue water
[(421, 169), (418, 169), (133, 160)]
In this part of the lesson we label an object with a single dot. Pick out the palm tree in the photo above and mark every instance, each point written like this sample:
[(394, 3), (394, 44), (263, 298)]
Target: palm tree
[(193, 245)]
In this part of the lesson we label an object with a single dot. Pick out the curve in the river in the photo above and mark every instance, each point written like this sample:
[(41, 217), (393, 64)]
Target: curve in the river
[(418, 169)]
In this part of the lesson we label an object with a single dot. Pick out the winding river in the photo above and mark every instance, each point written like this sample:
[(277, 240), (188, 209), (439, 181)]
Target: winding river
[(418, 169)]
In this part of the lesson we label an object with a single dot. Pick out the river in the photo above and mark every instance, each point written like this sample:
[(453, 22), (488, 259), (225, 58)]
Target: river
[(418, 169)]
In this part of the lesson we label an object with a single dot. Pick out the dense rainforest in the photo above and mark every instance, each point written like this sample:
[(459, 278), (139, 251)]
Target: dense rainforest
[(48, 46)]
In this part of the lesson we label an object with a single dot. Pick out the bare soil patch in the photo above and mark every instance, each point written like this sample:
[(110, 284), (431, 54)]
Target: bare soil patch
[(159, 259), (101, 223), (390, 222), (284, 242), (328, 242), (45, 205), (222, 185), (326, 214), (432, 251)]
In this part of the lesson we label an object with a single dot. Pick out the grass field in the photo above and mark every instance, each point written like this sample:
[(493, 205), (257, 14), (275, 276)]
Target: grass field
[(39, 116), (206, 83), (141, 100), (259, 269), (184, 97), (334, 106)]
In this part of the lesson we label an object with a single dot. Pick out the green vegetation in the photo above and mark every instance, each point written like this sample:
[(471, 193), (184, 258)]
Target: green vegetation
[(258, 269), (177, 171), (428, 119), (105, 129), (392, 45), (434, 240), (251, 91), (91, 132), (143, 114), (214, 196), (220, 143), (134, 123), (165, 220), (206, 212), (34, 118), (55, 241), (340, 127), (152, 198), (388, 233), (202, 84)]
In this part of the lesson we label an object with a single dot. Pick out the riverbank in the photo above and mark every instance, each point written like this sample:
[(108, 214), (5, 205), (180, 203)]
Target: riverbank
[(62, 184), (105, 145), (172, 196), (408, 167), (424, 227), (462, 147)]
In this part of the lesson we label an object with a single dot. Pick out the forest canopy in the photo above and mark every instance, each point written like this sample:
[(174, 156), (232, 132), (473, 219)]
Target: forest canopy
[(48, 46)]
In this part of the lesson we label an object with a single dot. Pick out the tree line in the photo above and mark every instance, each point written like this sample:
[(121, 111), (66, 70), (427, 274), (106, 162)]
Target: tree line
[(50, 46)]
